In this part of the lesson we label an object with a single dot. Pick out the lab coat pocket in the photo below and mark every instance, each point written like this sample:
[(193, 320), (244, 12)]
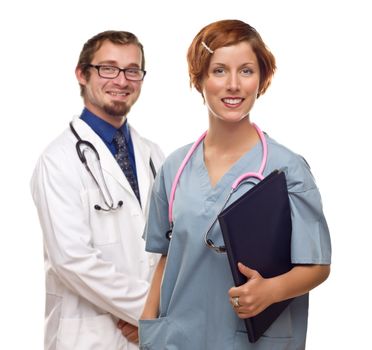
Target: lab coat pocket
[(104, 224), (161, 333), (98, 332)]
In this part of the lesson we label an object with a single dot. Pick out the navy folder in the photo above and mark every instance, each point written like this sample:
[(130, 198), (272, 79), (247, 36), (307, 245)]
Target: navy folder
[(257, 231)]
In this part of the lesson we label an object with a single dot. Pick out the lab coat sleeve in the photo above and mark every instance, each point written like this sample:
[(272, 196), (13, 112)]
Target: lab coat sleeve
[(56, 187), (157, 155)]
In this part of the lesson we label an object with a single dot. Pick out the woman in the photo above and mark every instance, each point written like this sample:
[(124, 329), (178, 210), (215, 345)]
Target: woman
[(192, 303)]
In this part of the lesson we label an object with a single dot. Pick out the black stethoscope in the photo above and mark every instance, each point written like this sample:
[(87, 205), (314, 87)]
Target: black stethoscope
[(81, 147)]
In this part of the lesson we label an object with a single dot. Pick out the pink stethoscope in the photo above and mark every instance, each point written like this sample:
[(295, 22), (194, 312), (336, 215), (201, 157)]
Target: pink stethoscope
[(258, 175)]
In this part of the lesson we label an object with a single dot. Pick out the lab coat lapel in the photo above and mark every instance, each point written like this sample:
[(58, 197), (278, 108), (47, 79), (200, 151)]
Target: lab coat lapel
[(142, 153), (108, 162)]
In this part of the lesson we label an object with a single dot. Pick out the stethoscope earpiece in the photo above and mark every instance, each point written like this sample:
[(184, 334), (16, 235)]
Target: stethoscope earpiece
[(168, 234), (119, 205)]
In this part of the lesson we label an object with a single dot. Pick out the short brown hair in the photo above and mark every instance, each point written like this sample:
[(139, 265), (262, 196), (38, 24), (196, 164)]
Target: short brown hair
[(226, 33), (94, 44)]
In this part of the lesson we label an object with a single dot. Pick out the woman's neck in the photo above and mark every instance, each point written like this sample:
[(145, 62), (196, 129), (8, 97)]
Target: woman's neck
[(225, 144), (237, 137)]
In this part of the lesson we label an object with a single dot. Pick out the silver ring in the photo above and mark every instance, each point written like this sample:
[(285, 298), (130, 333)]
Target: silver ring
[(235, 302)]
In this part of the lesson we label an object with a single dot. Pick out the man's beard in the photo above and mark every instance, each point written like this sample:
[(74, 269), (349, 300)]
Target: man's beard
[(116, 109)]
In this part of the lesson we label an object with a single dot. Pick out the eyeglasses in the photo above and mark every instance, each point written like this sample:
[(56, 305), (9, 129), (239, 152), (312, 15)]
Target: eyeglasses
[(112, 72)]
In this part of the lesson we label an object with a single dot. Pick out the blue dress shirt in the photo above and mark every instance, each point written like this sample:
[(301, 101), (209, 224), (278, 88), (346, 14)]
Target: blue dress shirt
[(106, 132)]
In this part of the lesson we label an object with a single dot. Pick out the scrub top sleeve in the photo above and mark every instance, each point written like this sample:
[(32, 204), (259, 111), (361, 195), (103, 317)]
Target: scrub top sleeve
[(157, 222), (311, 243)]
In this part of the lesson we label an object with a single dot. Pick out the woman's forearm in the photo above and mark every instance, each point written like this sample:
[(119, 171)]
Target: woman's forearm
[(300, 280), (151, 309)]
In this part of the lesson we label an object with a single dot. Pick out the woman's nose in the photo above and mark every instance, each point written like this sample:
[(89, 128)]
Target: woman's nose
[(233, 82)]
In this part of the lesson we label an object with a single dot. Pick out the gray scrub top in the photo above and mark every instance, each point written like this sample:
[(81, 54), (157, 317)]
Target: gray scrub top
[(195, 312)]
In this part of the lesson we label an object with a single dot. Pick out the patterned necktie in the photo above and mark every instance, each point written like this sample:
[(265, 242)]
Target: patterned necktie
[(122, 157)]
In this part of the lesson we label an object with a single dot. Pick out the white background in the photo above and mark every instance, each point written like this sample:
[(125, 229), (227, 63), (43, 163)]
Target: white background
[(318, 105)]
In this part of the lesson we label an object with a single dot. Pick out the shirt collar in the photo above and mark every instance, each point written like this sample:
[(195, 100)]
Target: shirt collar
[(102, 128)]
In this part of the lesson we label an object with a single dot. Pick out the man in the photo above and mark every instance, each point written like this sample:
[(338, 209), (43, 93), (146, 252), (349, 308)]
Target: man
[(91, 188)]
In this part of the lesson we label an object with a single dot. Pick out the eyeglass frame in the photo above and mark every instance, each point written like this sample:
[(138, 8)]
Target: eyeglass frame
[(124, 70)]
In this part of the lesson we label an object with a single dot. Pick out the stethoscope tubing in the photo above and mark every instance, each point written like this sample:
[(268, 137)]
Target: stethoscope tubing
[(88, 145), (109, 202), (179, 172), (258, 175)]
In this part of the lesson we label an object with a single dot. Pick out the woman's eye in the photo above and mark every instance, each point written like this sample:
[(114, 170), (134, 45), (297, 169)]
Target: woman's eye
[(246, 71), (218, 71)]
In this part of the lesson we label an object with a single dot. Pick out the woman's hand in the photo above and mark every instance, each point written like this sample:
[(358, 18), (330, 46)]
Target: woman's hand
[(258, 293), (252, 297)]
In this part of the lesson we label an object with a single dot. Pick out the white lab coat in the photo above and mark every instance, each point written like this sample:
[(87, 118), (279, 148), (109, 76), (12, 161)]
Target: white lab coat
[(97, 270)]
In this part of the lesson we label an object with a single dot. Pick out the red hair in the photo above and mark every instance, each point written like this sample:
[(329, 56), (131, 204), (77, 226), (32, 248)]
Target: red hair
[(226, 33)]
